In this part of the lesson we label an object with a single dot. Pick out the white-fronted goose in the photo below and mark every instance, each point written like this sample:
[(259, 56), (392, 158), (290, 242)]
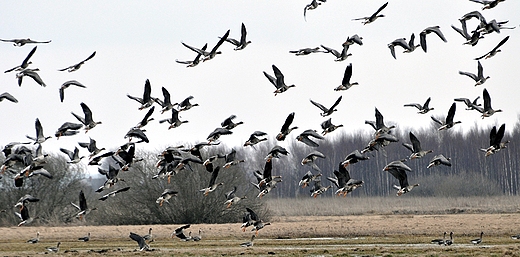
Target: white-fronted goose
[(449, 123), (493, 51), (25, 62), (495, 140), (422, 108), (87, 121), (438, 160), (78, 65), (278, 81), (239, 45), (286, 129), (140, 241), (310, 158), (304, 137), (327, 111), (477, 240), (23, 41), (488, 110), (214, 51), (166, 195), (40, 138), (308, 178), (479, 77), (66, 85), (328, 127), (415, 147), (345, 83), (254, 138), (30, 73), (373, 17), (340, 56), (232, 198), (146, 101), (426, 31), (34, 240), (82, 208), (8, 96)]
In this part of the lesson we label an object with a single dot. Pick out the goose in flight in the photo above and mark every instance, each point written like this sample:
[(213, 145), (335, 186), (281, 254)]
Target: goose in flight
[(438, 160), (240, 45), (87, 121), (304, 137), (286, 129), (308, 178), (91, 147), (40, 138), (147, 100), (487, 111), (479, 77), (398, 170), (23, 41), (66, 85), (493, 51), (345, 82), (340, 56), (278, 81), (305, 51), (229, 124), (166, 104), (422, 108), (231, 160), (179, 232), (470, 105), (328, 127), (195, 61), (327, 111), (254, 138), (215, 135), (113, 193), (24, 217), (313, 5), (68, 129), (78, 65), (166, 195), (30, 73), (232, 198), (186, 104), (144, 121), (399, 42), (373, 17), (25, 62), (174, 121), (318, 189), (73, 155), (449, 123), (214, 51), (354, 39), (415, 147), (82, 208), (353, 157), (487, 4), (140, 240), (343, 181), (426, 31), (495, 140), (8, 96), (310, 158)]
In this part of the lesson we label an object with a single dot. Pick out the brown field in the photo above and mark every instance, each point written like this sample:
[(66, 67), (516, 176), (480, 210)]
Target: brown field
[(352, 235)]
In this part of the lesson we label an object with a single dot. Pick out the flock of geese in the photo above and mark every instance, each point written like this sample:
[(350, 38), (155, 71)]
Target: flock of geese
[(27, 159)]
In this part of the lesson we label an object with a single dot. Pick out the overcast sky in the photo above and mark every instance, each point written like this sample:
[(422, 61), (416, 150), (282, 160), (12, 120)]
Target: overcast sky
[(139, 40)]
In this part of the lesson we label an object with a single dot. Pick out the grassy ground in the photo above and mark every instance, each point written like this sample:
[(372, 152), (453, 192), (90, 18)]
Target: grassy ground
[(359, 235)]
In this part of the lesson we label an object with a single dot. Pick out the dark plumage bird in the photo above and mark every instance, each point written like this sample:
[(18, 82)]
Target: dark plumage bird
[(179, 232), (140, 240), (488, 4), (310, 158), (340, 56), (374, 16), (66, 85), (345, 82), (353, 157), (113, 193), (275, 153), (398, 169), (186, 105), (308, 178), (327, 111), (214, 51), (25, 62), (305, 51), (438, 160), (82, 208), (254, 138), (422, 108), (328, 127), (73, 155), (166, 195), (488, 111), (495, 140), (493, 51), (470, 105), (449, 123), (166, 104), (415, 147), (313, 5), (305, 136), (426, 31), (85, 238), (228, 123), (87, 121), (440, 241), (23, 41), (40, 138), (195, 61), (239, 45), (146, 118), (147, 100), (343, 181), (278, 81), (174, 121), (212, 186), (286, 129), (68, 129), (78, 65), (479, 77), (8, 96), (477, 240), (30, 73), (398, 42), (215, 135)]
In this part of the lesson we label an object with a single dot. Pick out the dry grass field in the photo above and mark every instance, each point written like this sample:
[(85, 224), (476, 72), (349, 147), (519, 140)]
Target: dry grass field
[(373, 233)]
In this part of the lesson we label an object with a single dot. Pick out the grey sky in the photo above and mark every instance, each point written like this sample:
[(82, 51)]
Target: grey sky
[(139, 40)]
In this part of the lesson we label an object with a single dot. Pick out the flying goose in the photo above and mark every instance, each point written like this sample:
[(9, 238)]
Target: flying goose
[(310, 158), (24, 200), (215, 135), (254, 138), (82, 208), (87, 121), (422, 108), (487, 111), (140, 240), (426, 31), (398, 42), (40, 138), (214, 51), (212, 182), (231, 160), (179, 232), (25, 62), (305, 51), (166, 104), (313, 5), (340, 56), (354, 39), (438, 160), (398, 170), (66, 85), (186, 105), (469, 104), (91, 147), (78, 65), (343, 181), (415, 147), (286, 127), (379, 124), (8, 96), (345, 83), (304, 137), (195, 61), (495, 140), (479, 77), (113, 193), (174, 121), (449, 123), (232, 198), (147, 100), (318, 189), (68, 129), (240, 45), (146, 118), (373, 17), (73, 155), (308, 178), (23, 41), (229, 124), (353, 157), (278, 81), (24, 216), (328, 127), (30, 73), (327, 111), (166, 195), (478, 240), (493, 51), (487, 3)]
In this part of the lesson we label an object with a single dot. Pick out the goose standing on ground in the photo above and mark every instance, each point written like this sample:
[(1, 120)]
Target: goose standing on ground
[(212, 182), (495, 140), (487, 111), (88, 122), (40, 138), (469, 104), (232, 198), (440, 241), (30, 73), (345, 83), (340, 56), (8, 96), (25, 62), (140, 240), (493, 51), (147, 100), (415, 147), (54, 249), (73, 155), (23, 41), (449, 241), (286, 127), (197, 237), (304, 137), (66, 85), (310, 158), (398, 42), (166, 104), (250, 243), (477, 240), (308, 178), (85, 238), (328, 127), (327, 111), (422, 108), (214, 51), (34, 240), (113, 193), (516, 237), (278, 81), (449, 123), (373, 17), (353, 157), (76, 66), (426, 31), (149, 237), (479, 78), (166, 195), (195, 61), (438, 160), (254, 138), (83, 208), (240, 45)]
